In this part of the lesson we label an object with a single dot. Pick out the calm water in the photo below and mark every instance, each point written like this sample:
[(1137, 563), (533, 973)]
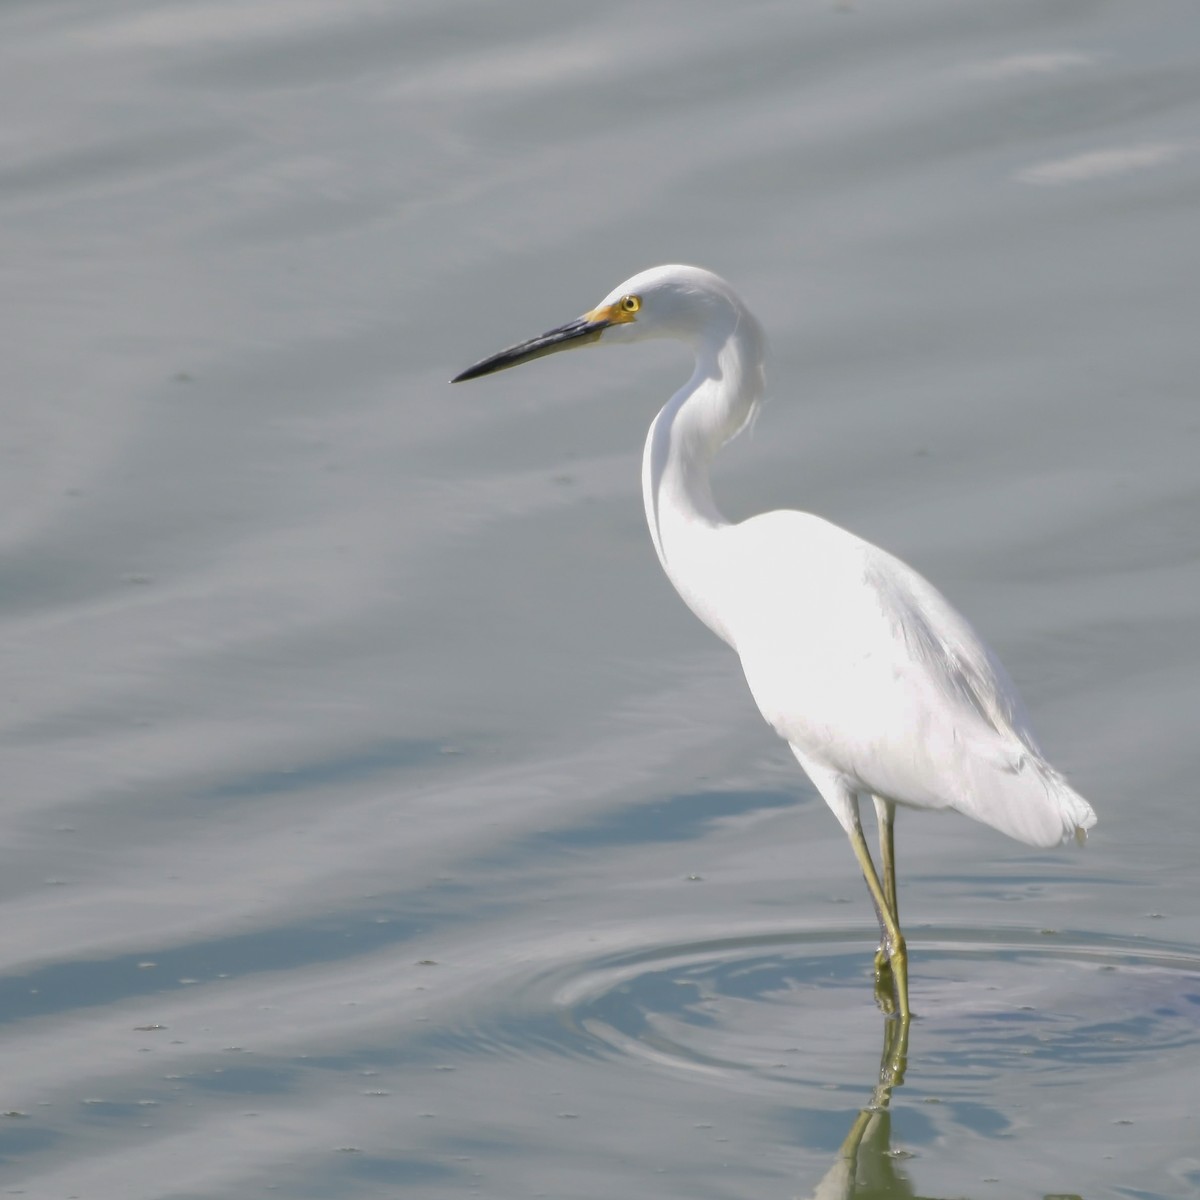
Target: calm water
[(377, 821)]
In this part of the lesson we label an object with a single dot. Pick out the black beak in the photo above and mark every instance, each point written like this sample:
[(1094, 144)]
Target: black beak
[(579, 332)]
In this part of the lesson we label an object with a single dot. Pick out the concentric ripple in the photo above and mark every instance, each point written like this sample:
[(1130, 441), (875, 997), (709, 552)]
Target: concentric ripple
[(782, 1008)]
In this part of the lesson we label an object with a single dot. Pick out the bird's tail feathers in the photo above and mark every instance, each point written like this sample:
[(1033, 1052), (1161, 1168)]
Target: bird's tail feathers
[(1021, 795)]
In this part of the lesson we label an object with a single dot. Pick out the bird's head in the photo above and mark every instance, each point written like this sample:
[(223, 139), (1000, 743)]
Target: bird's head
[(688, 303)]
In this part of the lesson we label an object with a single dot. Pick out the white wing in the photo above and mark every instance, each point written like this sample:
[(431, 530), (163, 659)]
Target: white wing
[(864, 667)]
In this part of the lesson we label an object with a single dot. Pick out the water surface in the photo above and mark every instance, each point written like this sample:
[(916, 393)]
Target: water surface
[(377, 820)]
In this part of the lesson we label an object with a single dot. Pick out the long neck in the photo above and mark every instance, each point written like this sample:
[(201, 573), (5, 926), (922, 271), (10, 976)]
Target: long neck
[(685, 523)]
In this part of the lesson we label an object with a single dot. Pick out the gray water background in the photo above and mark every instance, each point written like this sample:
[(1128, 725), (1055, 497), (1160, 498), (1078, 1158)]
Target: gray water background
[(376, 820)]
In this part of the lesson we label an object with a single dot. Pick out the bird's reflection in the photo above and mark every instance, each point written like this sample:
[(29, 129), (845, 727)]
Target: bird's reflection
[(865, 1166)]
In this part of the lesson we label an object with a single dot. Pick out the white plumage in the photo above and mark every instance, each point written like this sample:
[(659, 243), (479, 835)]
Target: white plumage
[(877, 684)]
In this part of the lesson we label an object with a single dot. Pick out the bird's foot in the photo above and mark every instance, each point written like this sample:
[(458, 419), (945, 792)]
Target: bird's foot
[(885, 983), (891, 980)]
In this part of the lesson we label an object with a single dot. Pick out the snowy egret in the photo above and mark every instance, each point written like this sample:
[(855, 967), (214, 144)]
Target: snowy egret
[(875, 682)]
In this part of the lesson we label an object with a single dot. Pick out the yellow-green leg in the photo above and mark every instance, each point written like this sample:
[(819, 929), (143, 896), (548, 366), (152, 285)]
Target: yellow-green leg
[(885, 812), (894, 950)]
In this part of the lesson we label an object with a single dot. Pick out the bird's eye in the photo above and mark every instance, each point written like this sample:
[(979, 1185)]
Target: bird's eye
[(631, 304)]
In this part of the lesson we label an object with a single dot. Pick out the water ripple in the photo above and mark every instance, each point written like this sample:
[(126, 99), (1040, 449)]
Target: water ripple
[(986, 1000)]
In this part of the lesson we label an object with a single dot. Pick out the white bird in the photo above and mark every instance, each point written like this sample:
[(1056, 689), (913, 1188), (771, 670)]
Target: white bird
[(875, 682)]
